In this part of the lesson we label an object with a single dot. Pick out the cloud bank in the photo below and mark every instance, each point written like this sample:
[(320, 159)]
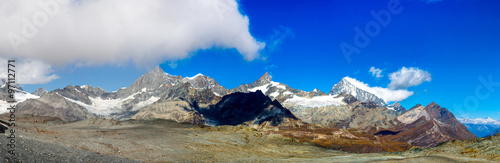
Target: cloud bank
[(408, 77), (401, 80), (147, 32), (387, 94), (29, 71)]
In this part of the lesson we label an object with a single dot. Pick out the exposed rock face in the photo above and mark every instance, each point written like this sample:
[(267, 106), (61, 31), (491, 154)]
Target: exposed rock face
[(74, 93), (4, 89), (54, 105), (428, 126), (153, 86), (247, 108), (92, 91), (39, 92), (347, 86), (275, 90), (314, 93), (195, 97), (174, 109), (179, 104), (397, 106), (155, 82), (204, 82), (342, 111)]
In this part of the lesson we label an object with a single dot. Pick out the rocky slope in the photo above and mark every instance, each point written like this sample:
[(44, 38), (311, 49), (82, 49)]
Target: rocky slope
[(348, 85), (54, 105), (397, 106), (39, 92), (180, 104), (274, 90), (147, 89), (342, 111), (427, 127), (19, 95)]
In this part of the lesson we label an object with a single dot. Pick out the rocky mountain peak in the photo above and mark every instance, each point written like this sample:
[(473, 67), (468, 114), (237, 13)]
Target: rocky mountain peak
[(153, 80), (431, 125), (201, 81), (264, 79), (397, 106), (39, 92), (416, 106), (356, 89), (156, 70), (4, 83)]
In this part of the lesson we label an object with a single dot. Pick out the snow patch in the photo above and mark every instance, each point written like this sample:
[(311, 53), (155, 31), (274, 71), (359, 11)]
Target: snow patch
[(274, 94), (318, 101), (278, 85), (215, 93), (142, 104), (191, 78), (20, 97), (262, 88)]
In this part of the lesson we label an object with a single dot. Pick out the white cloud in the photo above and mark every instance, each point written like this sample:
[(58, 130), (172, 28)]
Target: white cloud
[(376, 72), (387, 94), (148, 32), (408, 77), (28, 71)]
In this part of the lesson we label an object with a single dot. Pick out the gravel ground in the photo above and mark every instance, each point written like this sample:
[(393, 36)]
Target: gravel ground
[(35, 151), (41, 139)]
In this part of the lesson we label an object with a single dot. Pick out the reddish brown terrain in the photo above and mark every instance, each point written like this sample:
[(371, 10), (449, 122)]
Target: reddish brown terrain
[(427, 127)]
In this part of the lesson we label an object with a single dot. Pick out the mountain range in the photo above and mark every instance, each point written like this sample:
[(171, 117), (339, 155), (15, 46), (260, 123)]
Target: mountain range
[(201, 100), (482, 127)]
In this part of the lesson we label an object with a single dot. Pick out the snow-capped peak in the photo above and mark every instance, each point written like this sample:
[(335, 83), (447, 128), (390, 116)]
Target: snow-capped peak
[(486, 120), (191, 78), (358, 89), (316, 90), (357, 83)]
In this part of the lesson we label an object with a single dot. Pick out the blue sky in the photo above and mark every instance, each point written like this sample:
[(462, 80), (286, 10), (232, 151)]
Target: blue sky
[(456, 42)]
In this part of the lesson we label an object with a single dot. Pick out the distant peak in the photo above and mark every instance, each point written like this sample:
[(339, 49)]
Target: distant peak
[(433, 104), (265, 79), (156, 70), (316, 90)]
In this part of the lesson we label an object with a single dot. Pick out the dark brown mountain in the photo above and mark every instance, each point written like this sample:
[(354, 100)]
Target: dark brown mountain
[(247, 108), (427, 127)]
